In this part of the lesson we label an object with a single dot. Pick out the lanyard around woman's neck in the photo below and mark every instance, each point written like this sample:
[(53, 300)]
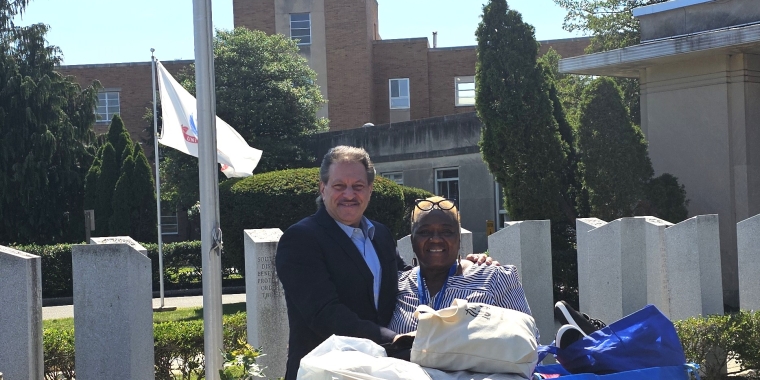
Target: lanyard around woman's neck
[(421, 288)]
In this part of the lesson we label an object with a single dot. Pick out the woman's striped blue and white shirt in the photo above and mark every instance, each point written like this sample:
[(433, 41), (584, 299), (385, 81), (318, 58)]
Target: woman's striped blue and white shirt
[(489, 284)]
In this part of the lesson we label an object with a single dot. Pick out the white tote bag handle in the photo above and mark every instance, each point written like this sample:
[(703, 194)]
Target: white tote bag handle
[(450, 314)]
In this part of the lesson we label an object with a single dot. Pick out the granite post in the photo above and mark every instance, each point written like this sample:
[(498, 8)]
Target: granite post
[(267, 313), (616, 266), (20, 315), (656, 273), (113, 312), (582, 227), (748, 242), (528, 246), (693, 268)]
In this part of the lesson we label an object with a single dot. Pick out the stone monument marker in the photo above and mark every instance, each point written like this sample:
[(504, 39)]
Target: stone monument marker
[(267, 313), (616, 268), (528, 246), (748, 241), (582, 227), (20, 315), (693, 268), (113, 311), (656, 273)]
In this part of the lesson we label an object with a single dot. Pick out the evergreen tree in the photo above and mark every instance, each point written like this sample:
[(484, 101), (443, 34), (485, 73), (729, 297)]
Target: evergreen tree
[(120, 221), (614, 162), (109, 175), (45, 127), (144, 225), (91, 186), (520, 142)]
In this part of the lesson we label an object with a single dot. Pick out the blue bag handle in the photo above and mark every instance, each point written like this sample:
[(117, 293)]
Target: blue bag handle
[(544, 351)]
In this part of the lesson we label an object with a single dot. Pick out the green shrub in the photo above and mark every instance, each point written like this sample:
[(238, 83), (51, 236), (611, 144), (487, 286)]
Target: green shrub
[(182, 266), (410, 195), (58, 348), (178, 344), (55, 261), (281, 198), (736, 335)]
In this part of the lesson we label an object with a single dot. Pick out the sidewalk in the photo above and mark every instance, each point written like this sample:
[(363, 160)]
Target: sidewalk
[(67, 311)]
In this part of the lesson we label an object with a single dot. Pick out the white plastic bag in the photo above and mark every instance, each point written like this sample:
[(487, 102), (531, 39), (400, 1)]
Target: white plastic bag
[(340, 357)]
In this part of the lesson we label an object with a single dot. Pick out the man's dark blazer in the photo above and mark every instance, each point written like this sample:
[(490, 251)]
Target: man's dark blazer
[(329, 287)]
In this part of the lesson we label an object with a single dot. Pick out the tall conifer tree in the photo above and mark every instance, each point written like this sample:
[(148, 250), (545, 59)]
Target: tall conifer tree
[(520, 142)]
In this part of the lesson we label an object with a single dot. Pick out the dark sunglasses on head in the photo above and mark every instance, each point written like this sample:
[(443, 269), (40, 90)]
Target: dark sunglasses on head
[(426, 205)]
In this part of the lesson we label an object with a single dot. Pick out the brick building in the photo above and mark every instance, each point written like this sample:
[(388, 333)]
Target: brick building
[(368, 79), (393, 84), (357, 71)]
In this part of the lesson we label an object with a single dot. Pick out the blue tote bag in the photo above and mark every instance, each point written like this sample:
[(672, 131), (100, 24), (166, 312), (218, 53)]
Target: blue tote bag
[(644, 339), (681, 372)]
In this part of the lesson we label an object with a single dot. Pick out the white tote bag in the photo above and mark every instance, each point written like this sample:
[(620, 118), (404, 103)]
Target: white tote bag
[(348, 358), (470, 336)]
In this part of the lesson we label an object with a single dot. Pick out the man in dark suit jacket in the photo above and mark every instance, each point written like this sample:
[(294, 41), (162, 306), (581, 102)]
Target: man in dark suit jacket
[(339, 270), (329, 277)]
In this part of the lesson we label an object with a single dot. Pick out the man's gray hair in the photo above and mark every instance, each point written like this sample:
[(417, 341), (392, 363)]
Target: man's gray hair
[(344, 153)]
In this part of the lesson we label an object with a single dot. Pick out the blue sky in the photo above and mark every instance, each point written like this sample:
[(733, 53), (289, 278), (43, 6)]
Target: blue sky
[(111, 31)]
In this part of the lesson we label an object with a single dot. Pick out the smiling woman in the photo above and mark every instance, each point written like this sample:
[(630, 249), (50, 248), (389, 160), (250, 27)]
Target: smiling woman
[(441, 276)]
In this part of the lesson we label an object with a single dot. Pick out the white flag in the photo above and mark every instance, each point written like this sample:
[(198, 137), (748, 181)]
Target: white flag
[(180, 129)]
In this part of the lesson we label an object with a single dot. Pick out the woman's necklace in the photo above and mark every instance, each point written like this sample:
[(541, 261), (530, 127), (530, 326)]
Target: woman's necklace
[(422, 289)]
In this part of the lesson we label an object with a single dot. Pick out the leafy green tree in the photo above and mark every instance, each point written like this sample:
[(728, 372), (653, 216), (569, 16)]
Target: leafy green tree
[(45, 127), (520, 142), (614, 163), (610, 22), (268, 93), (612, 26)]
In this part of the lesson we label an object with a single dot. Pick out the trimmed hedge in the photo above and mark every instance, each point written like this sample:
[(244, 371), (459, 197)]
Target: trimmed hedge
[(176, 344), (281, 198), (411, 194), (56, 266)]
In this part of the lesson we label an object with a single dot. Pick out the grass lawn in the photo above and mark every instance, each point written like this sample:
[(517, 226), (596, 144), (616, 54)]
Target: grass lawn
[(186, 314)]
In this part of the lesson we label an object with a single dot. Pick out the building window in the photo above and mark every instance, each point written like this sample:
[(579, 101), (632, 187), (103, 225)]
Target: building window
[(300, 28), (447, 183), (169, 224), (464, 91), (108, 105), (501, 213), (399, 90), (397, 177)]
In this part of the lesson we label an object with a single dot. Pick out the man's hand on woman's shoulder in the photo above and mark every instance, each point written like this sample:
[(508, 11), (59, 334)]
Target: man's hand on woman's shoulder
[(481, 258)]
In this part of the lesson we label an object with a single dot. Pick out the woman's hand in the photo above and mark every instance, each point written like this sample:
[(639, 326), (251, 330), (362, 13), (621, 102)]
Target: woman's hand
[(482, 258)]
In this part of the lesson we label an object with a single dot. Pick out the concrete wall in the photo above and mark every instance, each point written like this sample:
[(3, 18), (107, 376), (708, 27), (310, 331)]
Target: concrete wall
[(417, 148), (701, 120), (698, 18)]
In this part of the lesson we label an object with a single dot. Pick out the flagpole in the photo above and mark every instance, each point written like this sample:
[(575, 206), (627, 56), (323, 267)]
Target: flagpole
[(158, 183), (211, 234)]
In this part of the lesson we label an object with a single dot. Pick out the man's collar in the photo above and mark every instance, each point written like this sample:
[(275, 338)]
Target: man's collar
[(366, 226)]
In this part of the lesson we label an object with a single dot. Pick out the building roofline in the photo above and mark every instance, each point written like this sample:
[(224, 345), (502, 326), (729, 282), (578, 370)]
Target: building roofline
[(627, 61), (468, 47), (571, 39), (401, 40), (666, 6), (123, 64)]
